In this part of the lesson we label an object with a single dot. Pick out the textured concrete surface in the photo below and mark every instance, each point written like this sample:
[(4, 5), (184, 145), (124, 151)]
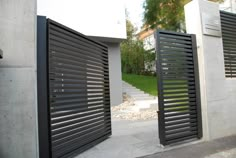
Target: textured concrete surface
[(18, 96), (219, 148), (129, 139), (115, 73), (217, 92), (224, 154)]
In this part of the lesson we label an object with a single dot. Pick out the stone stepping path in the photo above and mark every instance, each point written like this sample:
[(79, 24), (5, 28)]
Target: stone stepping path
[(142, 100)]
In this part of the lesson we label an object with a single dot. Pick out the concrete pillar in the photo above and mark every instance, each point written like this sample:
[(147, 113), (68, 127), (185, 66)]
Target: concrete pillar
[(217, 92), (18, 97), (115, 73)]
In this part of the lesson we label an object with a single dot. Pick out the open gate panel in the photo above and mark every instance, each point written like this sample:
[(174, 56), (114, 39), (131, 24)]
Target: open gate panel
[(178, 88)]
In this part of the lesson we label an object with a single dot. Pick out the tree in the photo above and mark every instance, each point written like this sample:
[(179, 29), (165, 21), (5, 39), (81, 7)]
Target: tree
[(165, 14), (132, 52)]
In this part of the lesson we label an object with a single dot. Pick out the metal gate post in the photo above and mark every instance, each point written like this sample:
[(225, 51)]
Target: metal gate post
[(42, 79), (197, 84), (160, 92)]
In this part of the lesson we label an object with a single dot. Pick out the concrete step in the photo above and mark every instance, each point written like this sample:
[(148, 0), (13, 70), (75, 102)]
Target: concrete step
[(144, 98), (137, 92), (145, 105), (130, 88), (139, 95), (132, 91)]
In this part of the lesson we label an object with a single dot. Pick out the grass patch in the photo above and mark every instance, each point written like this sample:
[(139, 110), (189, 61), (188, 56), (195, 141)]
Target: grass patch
[(147, 84)]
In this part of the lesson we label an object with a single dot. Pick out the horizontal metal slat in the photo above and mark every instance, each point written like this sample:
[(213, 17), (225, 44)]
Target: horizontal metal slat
[(78, 144), (191, 111), (75, 127), (71, 137), (79, 92), (53, 24), (78, 59), (179, 111), (162, 48), (66, 103), (192, 136), (186, 134), (61, 33), (72, 122), (179, 122), (169, 40), (181, 130), (175, 119), (170, 128), (56, 44), (79, 78), (79, 53), (87, 67), (177, 105), (70, 112), (180, 92), (175, 45), (62, 134), (178, 83), (178, 66), (77, 116), (85, 136), (173, 36), (174, 54), (78, 45), (82, 83)]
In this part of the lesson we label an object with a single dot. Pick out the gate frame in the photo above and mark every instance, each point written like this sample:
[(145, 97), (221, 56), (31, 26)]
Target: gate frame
[(43, 89), (161, 120)]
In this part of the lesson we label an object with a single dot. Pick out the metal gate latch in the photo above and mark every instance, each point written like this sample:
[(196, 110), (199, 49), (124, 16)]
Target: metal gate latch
[(1, 54)]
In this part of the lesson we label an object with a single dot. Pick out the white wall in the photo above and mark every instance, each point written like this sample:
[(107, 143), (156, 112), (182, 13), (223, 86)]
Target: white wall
[(228, 5), (18, 97), (217, 92), (115, 73), (103, 18)]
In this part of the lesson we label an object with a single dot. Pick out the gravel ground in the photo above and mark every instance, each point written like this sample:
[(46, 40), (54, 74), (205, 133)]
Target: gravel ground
[(126, 111)]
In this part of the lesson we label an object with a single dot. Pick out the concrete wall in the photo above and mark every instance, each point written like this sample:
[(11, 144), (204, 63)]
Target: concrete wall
[(115, 73), (228, 5), (18, 125), (217, 92)]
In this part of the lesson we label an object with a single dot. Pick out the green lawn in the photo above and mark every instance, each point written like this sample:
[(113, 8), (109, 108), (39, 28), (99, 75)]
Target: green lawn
[(147, 84)]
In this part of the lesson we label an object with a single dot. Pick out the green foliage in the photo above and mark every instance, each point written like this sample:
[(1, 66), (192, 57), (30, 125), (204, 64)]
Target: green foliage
[(165, 14), (132, 52), (149, 60), (147, 84)]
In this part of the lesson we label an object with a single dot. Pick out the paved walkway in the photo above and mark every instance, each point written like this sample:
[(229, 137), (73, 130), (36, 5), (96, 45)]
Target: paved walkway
[(129, 139), (220, 148), (141, 99)]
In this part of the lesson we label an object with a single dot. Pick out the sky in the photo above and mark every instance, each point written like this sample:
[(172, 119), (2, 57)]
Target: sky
[(135, 11)]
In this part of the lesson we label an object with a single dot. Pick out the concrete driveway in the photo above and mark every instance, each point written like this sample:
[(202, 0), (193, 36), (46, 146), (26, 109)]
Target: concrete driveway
[(130, 139)]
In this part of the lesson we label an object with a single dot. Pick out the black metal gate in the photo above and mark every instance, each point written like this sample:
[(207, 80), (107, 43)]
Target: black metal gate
[(178, 88), (228, 25), (73, 91)]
